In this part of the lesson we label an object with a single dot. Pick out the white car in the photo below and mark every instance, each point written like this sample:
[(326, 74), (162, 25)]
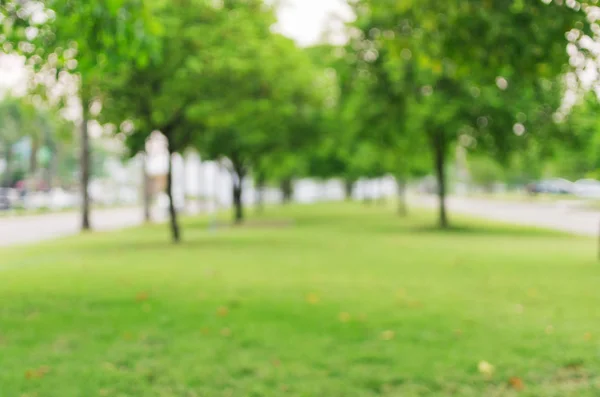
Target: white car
[(587, 188)]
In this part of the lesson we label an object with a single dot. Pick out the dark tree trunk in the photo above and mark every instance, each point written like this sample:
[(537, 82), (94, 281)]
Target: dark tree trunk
[(175, 232), (146, 193), (238, 207), (348, 189), (85, 162), (440, 149), (260, 192), (7, 170), (287, 190), (402, 204), (238, 175)]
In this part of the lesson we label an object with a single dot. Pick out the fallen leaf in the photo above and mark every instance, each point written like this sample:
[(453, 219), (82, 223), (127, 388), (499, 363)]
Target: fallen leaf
[(588, 336), (205, 331), (344, 317), (485, 368), (415, 304), (226, 332), (142, 296), (388, 335), (37, 373), (276, 362), (516, 383), (458, 332), (313, 298), (128, 336), (33, 315), (223, 311), (549, 329)]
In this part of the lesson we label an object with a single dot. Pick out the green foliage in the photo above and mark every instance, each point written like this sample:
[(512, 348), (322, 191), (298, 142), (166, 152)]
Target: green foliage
[(21, 120), (83, 37), (578, 155), (485, 172)]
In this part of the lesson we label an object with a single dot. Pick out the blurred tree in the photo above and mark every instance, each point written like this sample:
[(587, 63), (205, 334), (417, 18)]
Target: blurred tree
[(88, 39), (461, 74), (272, 101), (485, 172), (141, 99), (11, 120), (579, 156)]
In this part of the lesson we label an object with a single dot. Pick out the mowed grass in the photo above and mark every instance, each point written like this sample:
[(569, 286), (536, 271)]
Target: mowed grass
[(330, 300)]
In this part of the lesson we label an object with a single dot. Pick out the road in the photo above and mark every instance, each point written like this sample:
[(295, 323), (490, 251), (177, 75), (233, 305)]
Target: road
[(15, 230), (560, 215), (553, 215)]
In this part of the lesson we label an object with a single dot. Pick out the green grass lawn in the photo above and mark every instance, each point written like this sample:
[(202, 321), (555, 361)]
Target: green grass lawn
[(332, 300)]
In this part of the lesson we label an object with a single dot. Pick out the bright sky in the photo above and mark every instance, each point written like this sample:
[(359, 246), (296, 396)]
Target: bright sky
[(307, 20)]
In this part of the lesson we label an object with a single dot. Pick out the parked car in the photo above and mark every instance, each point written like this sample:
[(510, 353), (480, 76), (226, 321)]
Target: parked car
[(552, 186), (587, 188), (4, 200)]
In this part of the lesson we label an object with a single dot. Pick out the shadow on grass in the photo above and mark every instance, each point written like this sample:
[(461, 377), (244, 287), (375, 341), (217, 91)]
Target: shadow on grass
[(222, 240), (251, 224), (486, 230)]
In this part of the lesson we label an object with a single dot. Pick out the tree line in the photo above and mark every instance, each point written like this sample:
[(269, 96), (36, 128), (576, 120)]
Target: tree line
[(414, 80)]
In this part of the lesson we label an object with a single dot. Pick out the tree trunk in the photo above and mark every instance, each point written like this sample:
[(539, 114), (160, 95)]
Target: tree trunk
[(7, 170), (146, 193), (287, 190), (260, 192), (175, 233), (439, 149), (402, 205), (85, 162), (238, 174), (348, 189), (238, 207)]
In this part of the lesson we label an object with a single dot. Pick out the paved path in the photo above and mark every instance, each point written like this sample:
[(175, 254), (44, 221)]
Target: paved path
[(29, 229), (560, 215)]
